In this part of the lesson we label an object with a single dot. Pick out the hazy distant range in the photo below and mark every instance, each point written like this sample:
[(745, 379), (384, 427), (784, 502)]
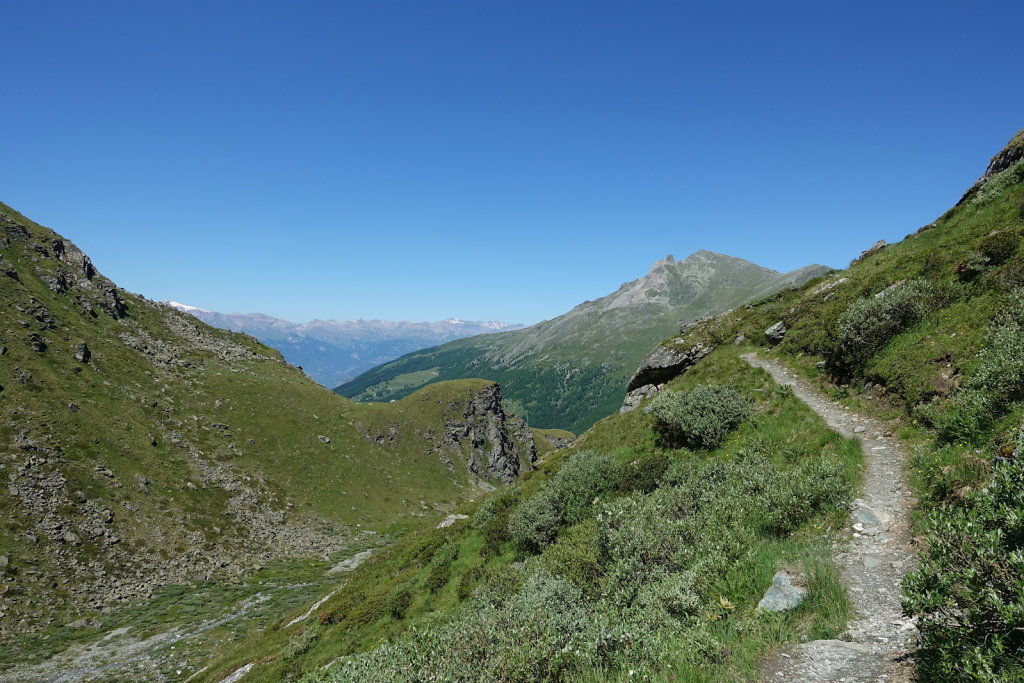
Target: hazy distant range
[(335, 351)]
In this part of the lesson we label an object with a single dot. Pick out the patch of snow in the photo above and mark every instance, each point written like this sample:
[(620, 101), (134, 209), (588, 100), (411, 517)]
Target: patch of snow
[(185, 307)]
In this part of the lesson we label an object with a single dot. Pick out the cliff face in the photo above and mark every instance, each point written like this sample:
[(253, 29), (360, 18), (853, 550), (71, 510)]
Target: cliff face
[(500, 446)]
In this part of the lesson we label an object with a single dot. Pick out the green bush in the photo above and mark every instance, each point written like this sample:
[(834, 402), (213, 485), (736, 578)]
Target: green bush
[(701, 417), (491, 518), (868, 324), (398, 603), (999, 247), (998, 380), (968, 591), (626, 593), (581, 478), (576, 555), (441, 568), (533, 524), (642, 474), (468, 581)]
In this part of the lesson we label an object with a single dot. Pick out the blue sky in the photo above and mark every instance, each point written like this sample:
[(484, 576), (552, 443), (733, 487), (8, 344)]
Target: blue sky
[(483, 160)]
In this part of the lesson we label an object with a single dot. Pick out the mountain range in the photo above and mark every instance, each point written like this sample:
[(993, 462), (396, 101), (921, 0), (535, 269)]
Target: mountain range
[(335, 351), (570, 371)]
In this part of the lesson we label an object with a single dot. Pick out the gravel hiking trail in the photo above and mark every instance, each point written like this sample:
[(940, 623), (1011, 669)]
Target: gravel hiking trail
[(872, 554)]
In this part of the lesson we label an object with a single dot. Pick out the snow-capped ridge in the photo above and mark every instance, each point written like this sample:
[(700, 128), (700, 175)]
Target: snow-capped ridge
[(185, 307)]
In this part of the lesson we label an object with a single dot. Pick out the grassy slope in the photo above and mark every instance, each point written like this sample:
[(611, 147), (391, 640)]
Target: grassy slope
[(362, 614), (223, 404)]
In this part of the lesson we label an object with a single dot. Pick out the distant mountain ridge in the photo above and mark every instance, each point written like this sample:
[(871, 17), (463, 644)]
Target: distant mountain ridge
[(334, 351), (570, 371)]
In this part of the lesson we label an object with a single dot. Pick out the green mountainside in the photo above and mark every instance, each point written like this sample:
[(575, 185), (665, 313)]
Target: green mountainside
[(571, 371), (140, 447), (636, 555)]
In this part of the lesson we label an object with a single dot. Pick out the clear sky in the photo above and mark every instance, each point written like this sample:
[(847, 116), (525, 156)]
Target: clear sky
[(488, 160)]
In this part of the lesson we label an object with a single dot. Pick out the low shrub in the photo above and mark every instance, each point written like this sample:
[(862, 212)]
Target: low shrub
[(701, 417), (999, 247), (533, 524), (468, 581), (868, 324), (441, 568), (642, 474), (581, 478), (491, 518), (967, 590), (997, 381), (398, 603), (576, 555)]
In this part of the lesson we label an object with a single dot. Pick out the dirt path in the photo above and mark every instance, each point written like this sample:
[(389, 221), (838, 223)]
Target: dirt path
[(872, 563)]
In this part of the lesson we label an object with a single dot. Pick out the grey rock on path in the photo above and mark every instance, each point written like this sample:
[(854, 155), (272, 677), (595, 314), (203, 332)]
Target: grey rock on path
[(872, 564)]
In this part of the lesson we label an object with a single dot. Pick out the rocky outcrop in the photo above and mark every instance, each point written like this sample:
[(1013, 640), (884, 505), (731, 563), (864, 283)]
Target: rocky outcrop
[(499, 445), (664, 363), (776, 332), (1010, 155), (661, 365)]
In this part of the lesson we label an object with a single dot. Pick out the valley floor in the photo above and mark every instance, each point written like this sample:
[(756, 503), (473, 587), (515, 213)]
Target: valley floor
[(170, 638), (872, 563)]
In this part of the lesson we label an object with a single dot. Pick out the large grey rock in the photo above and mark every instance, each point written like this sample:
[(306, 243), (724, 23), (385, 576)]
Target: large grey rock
[(665, 363), (783, 594), (82, 352), (449, 520), (776, 332), (635, 397)]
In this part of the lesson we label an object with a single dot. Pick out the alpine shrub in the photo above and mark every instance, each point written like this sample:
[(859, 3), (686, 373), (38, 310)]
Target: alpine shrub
[(581, 478), (868, 324), (533, 524), (700, 418), (441, 568), (642, 474), (998, 381), (968, 591)]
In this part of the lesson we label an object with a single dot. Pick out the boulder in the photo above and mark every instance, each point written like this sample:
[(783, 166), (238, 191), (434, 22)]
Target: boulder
[(633, 398), (783, 594), (82, 352), (449, 520), (664, 363), (776, 332)]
